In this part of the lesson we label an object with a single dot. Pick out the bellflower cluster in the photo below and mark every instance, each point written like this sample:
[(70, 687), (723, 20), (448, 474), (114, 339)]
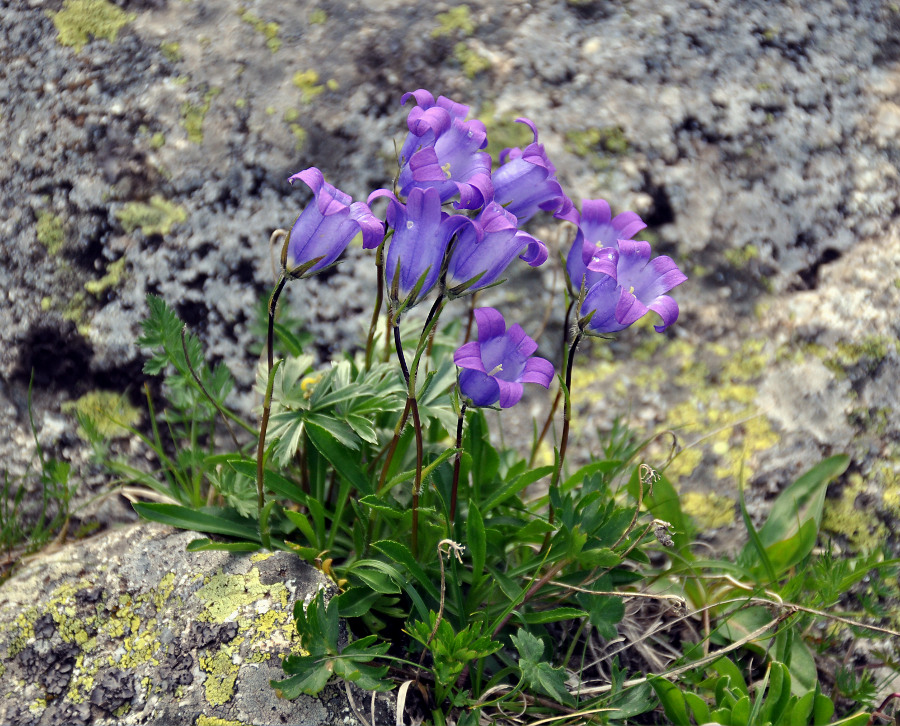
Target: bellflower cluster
[(468, 247), (621, 281)]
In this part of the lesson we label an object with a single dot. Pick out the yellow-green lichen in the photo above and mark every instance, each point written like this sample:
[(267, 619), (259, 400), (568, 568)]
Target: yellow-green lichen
[(741, 256), (224, 594), (157, 217), (221, 674), (308, 83), (709, 511), (471, 60), (171, 51), (80, 19), (203, 720), (458, 19), (158, 140), (868, 354), (192, 115), (50, 231), (269, 30), (261, 556), (112, 278), (318, 17), (588, 143), (859, 526)]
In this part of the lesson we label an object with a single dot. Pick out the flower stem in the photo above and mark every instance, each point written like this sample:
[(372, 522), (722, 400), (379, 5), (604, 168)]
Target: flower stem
[(567, 417), (417, 484), (555, 406), (267, 407), (379, 298), (398, 344), (456, 464)]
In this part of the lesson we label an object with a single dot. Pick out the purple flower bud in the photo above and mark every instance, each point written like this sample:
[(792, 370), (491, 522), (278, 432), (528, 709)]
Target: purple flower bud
[(597, 228), (487, 249), (499, 362), (442, 151), (325, 228), (629, 285), (416, 251), (526, 182)]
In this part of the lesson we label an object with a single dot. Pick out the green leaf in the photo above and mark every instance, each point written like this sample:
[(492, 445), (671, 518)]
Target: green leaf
[(698, 706), (402, 555), (356, 601), (801, 501), (726, 667), (552, 616), (184, 518), (672, 701), (338, 430), (337, 456), (605, 611), (823, 709), (537, 672), (513, 487), (312, 677), (377, 581)]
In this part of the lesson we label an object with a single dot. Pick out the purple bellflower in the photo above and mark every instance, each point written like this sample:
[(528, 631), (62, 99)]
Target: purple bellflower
[(597, 228), (416, 251), (497, 364), (325, 228), (490, 254), (630, 285), (443, 152), (525, 183)]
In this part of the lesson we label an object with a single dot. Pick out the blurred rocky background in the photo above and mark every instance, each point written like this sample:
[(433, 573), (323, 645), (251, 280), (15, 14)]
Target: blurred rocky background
[(147, 145)]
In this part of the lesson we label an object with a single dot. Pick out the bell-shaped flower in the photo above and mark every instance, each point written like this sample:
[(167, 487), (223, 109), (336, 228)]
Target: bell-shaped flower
[(597, 228), (417, 247), (443, 152), (525, 183), (478, 260), (324, 229), (629, 285), (497, 364)]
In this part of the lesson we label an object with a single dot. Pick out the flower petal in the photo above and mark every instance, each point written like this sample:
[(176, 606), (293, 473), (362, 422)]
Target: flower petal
[(538, 370), (468, 355), (490, 324), (482, 389), (510, 393)]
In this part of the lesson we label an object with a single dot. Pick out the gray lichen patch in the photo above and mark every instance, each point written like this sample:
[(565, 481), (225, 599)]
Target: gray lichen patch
[(130, 628)]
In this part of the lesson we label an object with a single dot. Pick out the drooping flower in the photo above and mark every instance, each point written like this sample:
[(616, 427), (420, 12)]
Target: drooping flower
[(489, 255), (416, 251), (443, 152), (326, 226), (525, 183), (629, 285), (597, 228), (497, 364)]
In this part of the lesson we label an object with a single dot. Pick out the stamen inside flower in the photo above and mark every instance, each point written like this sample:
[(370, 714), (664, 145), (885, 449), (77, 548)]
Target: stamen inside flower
[(497, 369), (631, 290), (446, 169)]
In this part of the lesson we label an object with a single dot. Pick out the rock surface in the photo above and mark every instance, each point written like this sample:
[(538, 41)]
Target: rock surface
[(760, 141), (129, 628)]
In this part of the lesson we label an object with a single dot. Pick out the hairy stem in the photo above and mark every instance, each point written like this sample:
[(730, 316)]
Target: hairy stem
[(379, 298), (267, 407), (456, 464)]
